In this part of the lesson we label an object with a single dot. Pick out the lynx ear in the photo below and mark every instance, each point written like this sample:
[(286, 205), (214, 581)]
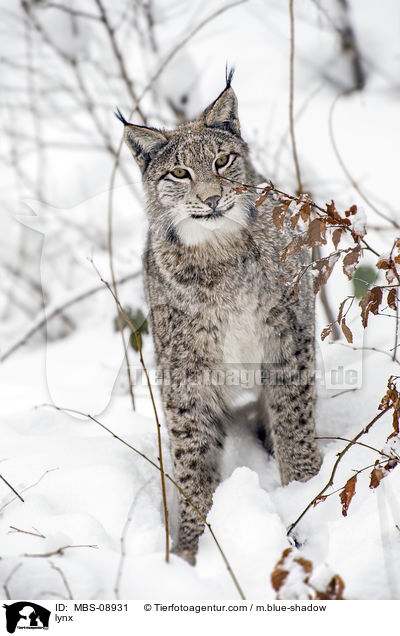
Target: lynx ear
[(143, 142), (223, 113)]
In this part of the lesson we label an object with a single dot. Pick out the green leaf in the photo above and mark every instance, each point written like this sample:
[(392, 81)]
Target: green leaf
[(138, 320), (363, 278)]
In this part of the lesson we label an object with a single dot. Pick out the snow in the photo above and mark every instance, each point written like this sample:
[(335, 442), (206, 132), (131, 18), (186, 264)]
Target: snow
[(84, 490)]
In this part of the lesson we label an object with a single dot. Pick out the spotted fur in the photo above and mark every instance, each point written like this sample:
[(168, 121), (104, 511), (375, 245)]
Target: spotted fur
[(219, 310)]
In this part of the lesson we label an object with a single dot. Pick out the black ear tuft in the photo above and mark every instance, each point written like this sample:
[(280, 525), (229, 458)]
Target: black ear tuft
[(120, 116), (229, 75), (143, 142), (223, 112)]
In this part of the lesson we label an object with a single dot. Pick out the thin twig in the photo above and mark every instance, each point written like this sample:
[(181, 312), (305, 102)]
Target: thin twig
[(329, 483), (59, 551), (350, 346), (291, 99), (167, 476), (181, 44), (343, 392), (119, 56), (11, 487), (34, 534), (73, 12), (64, 579), (50, 470), (343, 165), (8, 579), (345, 439), (52, 312), (142, 362), (123, 540)]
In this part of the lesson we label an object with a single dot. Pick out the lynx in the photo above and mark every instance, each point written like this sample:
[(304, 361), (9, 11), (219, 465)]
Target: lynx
[(219, 308)]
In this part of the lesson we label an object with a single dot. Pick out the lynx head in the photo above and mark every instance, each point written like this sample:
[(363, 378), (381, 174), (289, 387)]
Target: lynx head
[(190, 174)]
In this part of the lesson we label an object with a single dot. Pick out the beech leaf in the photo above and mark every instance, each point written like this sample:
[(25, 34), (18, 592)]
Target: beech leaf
[(350, 262), (347, 332), (336, 236), (347, 494), (370, 303), (392, 299), (263, 196), (316, 233)]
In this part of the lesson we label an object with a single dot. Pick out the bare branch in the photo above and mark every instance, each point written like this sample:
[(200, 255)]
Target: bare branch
[(329, 483), (344, 167), (34, 534), (73, 12), (64, 579), (291, 99), (345, 439), (11, 487), (119, 57), (8, 579), (59, 551), (123, 540), (50, 470), (52, 312)]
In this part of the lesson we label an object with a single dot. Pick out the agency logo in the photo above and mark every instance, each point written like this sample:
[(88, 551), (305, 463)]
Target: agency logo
[(26, 615)]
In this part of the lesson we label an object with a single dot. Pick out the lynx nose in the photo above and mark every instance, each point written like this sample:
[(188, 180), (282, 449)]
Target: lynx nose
[(212, 202)]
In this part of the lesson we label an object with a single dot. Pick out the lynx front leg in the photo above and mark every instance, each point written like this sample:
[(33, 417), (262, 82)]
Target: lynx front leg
[(291, 396), (196, 437)]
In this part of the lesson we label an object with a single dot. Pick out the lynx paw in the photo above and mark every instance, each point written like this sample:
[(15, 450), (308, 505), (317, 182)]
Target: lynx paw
[(187, 555)]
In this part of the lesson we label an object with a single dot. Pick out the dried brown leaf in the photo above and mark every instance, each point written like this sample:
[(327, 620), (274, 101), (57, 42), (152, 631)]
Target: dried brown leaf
[(294, 220), (336, 236), (331, 210), (352, 210), (278, 215), (380, 472), (392, 298), (384, 263), (327, 331), (294, 246), (390, 275), (322, 269), (278, 578), (370, 303), (395, 421), (305, 210), (305, 564), (377, 475), (318, 499), (340, 313), (346, 331), (391, 397), (334, 590), (279, 573), (240, 189), (264, 194), (350, 262), (316, 233), (347, 494)]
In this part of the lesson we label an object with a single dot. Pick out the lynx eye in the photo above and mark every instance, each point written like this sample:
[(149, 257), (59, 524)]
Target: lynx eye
[(180, 173), (221, 161)]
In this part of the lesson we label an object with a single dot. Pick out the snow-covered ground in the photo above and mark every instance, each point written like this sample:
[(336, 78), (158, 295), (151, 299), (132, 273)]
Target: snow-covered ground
[(83, 489)]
